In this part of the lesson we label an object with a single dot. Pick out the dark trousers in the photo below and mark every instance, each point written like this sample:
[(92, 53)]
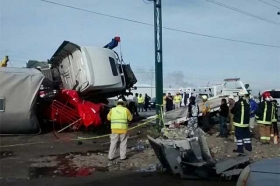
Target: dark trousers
[(133, 108), (146, 106), (169, 107), (223, 126), (243, 139), (206, 122)]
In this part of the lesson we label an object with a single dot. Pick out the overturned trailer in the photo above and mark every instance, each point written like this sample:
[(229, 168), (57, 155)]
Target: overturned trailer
[(18, 97), (191, 158)]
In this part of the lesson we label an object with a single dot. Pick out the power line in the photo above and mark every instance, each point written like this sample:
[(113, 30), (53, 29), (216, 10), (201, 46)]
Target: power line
[(269, 4), (166, 28), (147, 2), (276, 1), (243, 12)]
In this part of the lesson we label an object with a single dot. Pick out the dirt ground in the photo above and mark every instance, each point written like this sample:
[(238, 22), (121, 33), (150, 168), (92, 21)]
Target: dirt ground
[(84, 162)]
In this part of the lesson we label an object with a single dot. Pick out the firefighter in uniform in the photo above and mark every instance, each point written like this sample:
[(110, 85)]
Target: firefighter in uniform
[(119, 117), (241, 120), (274, 129), (264, 118)]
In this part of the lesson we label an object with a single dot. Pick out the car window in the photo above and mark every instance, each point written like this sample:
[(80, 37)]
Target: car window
[(275, 94)]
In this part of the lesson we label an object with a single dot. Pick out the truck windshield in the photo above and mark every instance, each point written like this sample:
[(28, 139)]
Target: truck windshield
[(275, 94)]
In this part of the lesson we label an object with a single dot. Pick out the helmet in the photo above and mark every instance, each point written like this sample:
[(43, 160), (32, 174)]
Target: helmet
[(204, 97), (231, 97), (242, 93), (266, 95), (120, 101)]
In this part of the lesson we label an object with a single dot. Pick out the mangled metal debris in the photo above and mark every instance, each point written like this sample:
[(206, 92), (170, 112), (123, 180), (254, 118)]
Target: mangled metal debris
[(191, 158)]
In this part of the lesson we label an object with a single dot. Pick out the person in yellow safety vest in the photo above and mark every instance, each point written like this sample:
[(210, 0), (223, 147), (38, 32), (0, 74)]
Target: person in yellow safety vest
[(141, 102), (164, 103), (177, 100), (264, 117), (205, 113), (119, 117), (4, 62)]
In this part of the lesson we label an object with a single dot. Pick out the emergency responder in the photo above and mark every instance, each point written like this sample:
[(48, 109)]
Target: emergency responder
[(264, 117), (241, 120), (253, 110), (185, 98), (274, 129), (231, 102), (205, 113), (119, 117), (177, 100), (164, 103), (193, 111), (140, 103)]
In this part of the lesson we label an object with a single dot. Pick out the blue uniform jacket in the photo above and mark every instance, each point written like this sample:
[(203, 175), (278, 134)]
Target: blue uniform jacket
[(253, 108)]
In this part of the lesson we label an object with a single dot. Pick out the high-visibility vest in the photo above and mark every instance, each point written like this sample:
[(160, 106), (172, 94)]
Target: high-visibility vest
[(119, 118), (164, 100), (204, 108), (242, 117), (177, 99), (140, 99), (266, 116)]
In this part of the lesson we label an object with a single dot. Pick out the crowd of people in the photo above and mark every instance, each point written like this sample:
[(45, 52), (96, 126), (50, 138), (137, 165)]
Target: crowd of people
[(242, 116)]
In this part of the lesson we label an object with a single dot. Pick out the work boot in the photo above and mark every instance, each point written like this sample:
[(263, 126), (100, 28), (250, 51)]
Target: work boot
[(236, 151), (124, 159)]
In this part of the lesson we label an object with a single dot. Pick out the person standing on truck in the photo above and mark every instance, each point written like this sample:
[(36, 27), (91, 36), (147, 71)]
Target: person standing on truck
[(205, 113), (177, 100), (264, 117), (231, 102), (147, 101), (193, 111), (253, 110), (241, 120), (223, 115), (169, 102), (119, 117), (274, 129), (141, 102)]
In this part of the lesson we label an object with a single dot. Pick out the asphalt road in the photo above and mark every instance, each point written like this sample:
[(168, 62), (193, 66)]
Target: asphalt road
[(14, 169), (119, 179)]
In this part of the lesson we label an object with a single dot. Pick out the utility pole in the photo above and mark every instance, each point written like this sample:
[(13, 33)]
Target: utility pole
[(158, 58), (152, 79)]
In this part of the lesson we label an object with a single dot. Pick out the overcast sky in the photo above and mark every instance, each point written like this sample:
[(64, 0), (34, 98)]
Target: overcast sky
[(32, 29)]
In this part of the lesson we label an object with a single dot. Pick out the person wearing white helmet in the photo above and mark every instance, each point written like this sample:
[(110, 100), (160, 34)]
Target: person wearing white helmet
[(241, 120), (205, 113), (119, 117), (231, 103)]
